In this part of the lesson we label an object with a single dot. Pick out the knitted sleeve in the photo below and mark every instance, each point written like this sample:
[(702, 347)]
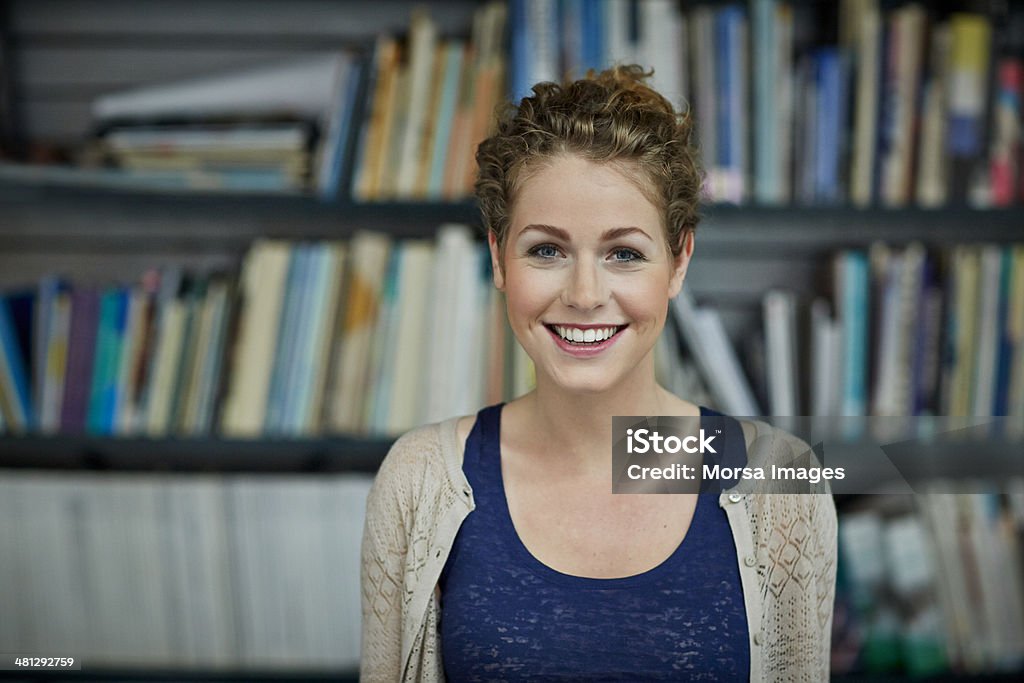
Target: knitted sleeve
[(796, 544), (385, 557)]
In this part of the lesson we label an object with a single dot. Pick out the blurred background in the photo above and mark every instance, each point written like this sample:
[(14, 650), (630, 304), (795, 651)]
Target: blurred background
[(239, 255)]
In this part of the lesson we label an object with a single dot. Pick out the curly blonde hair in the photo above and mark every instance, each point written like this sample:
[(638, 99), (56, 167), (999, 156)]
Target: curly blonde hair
[(607, 117)]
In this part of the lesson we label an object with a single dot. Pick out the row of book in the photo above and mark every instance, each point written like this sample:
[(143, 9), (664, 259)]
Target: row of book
[(375, 336), (931, 583), (907, 331), (401, 122), (202, 572), (805, 103), (812, 103), (367, 336)]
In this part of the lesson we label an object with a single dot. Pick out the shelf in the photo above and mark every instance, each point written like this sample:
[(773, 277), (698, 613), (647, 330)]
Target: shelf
[(196, 455), (55, 210)]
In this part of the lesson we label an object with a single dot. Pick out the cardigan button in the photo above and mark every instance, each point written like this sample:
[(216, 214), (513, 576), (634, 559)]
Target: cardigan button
[(757, 638), (749, 560), (735, 497)]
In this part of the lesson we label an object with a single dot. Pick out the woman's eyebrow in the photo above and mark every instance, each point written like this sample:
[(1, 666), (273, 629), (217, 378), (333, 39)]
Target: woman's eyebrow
[(611, 234)]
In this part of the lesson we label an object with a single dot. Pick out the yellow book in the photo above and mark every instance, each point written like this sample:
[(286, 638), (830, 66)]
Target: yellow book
[(385, 66), (263, 285), (431, 125), (349, 381)]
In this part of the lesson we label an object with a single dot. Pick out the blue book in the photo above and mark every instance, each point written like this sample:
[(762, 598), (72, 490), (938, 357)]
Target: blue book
[(453, 55), (592, 51), (855, 328), (519, 51), (731, 98), (534, 26), (336, 130), (766, 138), (830, 127), (15, 393), (285, 343), (109, 338), (301, 359), (1004, 339)]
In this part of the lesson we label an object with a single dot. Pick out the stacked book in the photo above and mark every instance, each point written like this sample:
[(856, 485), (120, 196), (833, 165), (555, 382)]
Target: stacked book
[(812, 103), (367, 336), (203, 572), (277, 128), (907, 331), (400, 121), (931, 585)]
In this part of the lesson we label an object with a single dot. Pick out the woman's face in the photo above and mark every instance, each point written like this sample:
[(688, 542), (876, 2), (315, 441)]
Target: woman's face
[(587, 274)]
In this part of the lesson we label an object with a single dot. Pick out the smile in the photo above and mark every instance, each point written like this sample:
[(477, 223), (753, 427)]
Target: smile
[(585, 336)]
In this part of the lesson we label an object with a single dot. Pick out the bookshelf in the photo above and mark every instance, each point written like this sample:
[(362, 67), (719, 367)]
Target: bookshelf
[(94, 226)]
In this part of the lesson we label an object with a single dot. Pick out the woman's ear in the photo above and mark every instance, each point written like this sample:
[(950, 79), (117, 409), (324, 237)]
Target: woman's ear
[(496, 267), (681, 262)]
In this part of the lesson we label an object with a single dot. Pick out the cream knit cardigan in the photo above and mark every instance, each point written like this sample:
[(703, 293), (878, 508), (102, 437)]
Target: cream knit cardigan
[(785, 544)]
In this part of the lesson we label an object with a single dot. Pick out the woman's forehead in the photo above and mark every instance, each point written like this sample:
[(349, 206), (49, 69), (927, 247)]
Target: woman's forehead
[(582, 196)]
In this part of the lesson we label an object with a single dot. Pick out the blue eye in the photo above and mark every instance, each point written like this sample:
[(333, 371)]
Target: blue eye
[(625, 255), (544, 251)]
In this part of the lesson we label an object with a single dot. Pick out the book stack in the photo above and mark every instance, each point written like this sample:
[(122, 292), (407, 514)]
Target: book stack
[(277, 128), (184, 572), (908, 332), (431, 104), (933, 584), (812, 103)]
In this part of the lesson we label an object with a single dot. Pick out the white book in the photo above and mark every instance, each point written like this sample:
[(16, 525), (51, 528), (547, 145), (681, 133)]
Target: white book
[(541, 26), (619, 47), (461, 399), (250, 614), (422, 49), (406, 405), (453, 311), (263, 288), (705, 335), (825, 361), (887, 363), (206, 532), (166, 359), (303, 88), (780, 350), (987, 342), (663, 47)]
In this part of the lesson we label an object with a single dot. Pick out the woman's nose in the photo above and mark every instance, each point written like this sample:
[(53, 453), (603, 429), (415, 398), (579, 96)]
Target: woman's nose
[(586, 288)]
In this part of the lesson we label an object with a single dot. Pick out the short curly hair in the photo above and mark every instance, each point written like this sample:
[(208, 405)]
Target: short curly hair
[(608, 117)]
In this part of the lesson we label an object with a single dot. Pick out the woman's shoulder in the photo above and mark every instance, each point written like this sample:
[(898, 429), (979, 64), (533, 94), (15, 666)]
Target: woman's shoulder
[(771, 446), (420, 457)]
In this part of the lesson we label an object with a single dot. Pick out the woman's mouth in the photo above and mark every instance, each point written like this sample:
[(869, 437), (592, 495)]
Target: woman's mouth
[(584, 341)]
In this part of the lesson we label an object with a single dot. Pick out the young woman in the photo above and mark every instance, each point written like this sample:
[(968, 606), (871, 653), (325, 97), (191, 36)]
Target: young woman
[(494, 548)]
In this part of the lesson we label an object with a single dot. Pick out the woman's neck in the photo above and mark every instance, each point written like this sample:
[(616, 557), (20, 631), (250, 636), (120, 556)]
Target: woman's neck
[(574, 429)]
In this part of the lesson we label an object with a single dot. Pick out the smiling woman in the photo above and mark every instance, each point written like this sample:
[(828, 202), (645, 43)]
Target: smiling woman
[(494, 547)]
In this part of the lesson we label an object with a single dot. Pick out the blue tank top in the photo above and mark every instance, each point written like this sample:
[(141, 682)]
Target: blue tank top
[(507, 616)]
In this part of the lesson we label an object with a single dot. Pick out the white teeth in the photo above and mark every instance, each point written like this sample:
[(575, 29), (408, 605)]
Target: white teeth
[(588, 336)]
